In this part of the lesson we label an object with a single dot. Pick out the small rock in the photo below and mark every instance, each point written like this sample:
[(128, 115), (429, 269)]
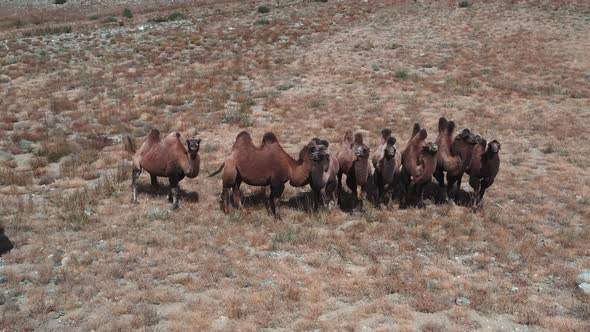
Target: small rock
[(58, 315), (100, 245), (4, 78), (3, 279), (45, 180), (26, 282), (220, 324), (119, 248), (462, 301), (514, 289), (585, 288), (25, 144), (583, 277)]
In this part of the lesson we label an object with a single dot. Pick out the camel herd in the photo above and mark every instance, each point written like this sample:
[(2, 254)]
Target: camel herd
[(268, 164)]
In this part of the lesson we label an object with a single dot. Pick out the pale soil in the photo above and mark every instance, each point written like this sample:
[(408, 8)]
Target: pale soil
[(518, 73)]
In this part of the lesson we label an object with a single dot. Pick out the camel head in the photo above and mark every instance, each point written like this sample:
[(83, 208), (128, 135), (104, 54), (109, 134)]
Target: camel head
[(430, 148), (390, 147), (494, 146), (362, 152), (385, 133), (478, 139), (319, 153), (467, 137), (193, 145)]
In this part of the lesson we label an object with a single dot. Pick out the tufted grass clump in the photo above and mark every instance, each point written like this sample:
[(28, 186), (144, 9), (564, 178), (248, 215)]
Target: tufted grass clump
[(127, 13), (263, 9), (464, 4), (157, 213)]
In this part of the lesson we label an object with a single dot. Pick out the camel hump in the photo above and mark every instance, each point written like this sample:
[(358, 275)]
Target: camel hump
[(348, 136), (423, 134), (244, 135), (416, 129), (154, 135), (385, 133), (450, 127), (269, 138), (358, 138), (442, 124), (177, 135), (391, 140)]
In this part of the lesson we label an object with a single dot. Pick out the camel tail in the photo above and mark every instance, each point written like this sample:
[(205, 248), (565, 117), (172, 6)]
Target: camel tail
[(217, 171), (130, 146)]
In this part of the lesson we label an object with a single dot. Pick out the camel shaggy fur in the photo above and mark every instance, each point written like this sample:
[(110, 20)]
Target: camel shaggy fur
[(324, 174), (353, 158), (484, 168), (264, 165), (168, 158), (418, 164), (385, 166), (454, 154), (5, 243)]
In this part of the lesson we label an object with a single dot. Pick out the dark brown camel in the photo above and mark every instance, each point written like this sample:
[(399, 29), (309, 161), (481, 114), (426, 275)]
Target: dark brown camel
[(168, 158), (324, 174), (418, 165), (353, 158), (385, 166), (485, 165), (454, 155), (5, 243), (264, 165)]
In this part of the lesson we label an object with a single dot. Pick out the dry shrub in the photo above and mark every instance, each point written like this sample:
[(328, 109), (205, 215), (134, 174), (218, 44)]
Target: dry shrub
[(60, 104), (9, 176), (55, 150), (145, 315), (329, 123)]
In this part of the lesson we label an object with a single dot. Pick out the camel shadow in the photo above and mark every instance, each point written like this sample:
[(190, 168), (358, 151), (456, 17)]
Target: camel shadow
[(164, 190), (434, 193)]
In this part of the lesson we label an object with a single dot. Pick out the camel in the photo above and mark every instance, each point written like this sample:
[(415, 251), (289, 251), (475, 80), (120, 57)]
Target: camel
[(353, 158), (324, 174), (418, 164), (454, 155), (166, 158), (264, 165), (5, 243), (384, 164), (484, 167)]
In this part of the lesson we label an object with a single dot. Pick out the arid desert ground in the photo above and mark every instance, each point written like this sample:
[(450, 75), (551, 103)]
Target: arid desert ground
[(76, 79)]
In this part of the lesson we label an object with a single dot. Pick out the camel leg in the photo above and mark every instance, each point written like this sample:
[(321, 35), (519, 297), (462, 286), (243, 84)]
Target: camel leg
[(339, 189), (363, 197), (331, 194), (237, 194), (174, 190), (451, 180), (440, 178), (317, 196), (154, 180), (404, 181), (475, 184), (276, 191), (420, 192), (225, 199), (134, 176)]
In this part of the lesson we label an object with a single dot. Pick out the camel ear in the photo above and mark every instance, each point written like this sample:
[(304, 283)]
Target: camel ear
[(442, 123), (324, 143), (199, 140)]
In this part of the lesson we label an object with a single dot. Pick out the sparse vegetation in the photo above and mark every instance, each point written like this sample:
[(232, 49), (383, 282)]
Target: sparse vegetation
[(464, 4), (127, 13), (60, 2), (87, 258), (49, 30), (263, 9), (262, 21)]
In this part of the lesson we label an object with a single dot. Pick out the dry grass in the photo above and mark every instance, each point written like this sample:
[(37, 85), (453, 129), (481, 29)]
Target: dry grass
[(83, 250)]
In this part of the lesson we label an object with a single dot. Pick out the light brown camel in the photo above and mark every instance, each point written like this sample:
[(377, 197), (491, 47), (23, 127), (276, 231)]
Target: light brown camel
[(324, 174), (418, 165), (353, 158), (168, 158), (385, 166), (264, 165), (484, 168), (454, 155)]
